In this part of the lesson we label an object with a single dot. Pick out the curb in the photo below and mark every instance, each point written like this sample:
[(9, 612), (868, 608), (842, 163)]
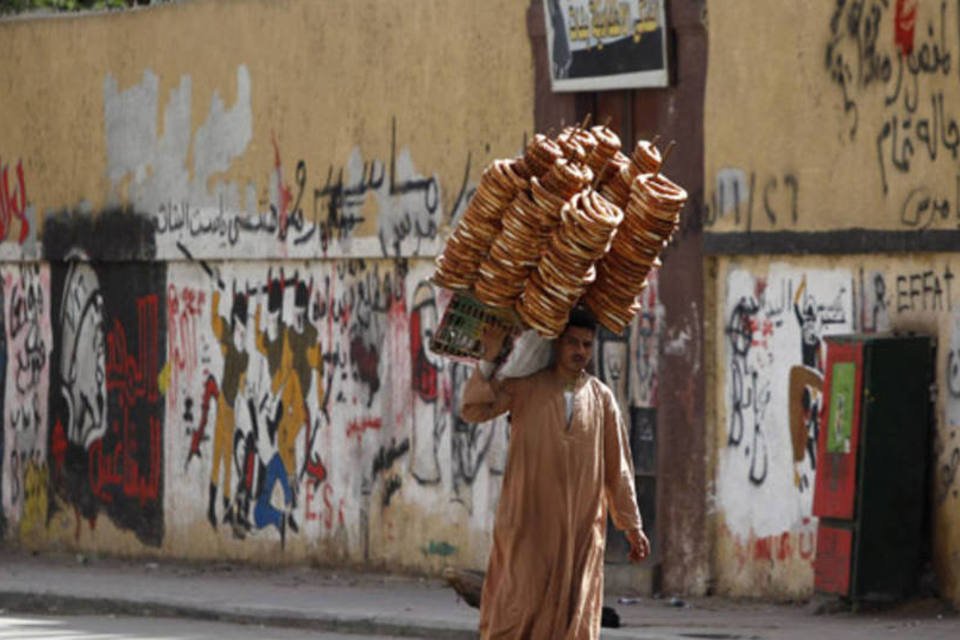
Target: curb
[(53, 603)]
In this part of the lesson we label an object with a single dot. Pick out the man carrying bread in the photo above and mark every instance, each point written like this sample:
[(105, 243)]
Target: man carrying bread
[(569, 464)]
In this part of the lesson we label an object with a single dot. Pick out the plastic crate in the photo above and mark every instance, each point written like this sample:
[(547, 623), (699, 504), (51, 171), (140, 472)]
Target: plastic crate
[(463, 324)]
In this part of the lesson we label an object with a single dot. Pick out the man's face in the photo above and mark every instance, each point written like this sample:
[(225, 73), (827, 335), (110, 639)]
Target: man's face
[(575, 348)]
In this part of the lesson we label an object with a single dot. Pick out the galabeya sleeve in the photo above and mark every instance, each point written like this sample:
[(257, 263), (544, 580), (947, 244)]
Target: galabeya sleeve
[(485, 399), (618, 468)]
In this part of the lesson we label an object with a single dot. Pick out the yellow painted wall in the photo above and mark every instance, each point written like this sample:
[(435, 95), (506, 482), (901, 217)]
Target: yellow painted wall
[(325, 80), (816, 120)]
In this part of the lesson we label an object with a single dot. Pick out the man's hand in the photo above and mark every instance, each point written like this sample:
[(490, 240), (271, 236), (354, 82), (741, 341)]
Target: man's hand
[(492, 341), (639, 545)]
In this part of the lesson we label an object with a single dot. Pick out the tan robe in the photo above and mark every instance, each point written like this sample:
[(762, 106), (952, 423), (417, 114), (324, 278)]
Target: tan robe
[(545, 576)]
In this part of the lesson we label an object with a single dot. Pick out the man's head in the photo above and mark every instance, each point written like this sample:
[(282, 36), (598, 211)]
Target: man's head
[(575, 345)]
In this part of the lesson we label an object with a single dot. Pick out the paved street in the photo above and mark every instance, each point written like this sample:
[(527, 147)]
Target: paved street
[(299, 602), (16, 627)]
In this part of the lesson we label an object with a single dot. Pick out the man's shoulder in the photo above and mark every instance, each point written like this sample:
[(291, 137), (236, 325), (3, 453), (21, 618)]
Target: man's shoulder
[(600, 386)]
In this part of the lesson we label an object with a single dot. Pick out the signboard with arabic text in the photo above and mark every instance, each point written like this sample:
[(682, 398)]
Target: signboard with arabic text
[(594, 45)]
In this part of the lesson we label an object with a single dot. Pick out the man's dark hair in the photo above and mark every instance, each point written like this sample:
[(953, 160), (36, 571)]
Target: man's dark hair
[(581, 316)]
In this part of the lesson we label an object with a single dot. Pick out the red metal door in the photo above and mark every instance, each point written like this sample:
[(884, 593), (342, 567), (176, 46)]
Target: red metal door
[(840, 432)]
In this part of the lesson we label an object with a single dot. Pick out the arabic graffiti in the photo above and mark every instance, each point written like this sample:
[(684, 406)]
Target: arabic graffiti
[(310, 219), (908, 82)]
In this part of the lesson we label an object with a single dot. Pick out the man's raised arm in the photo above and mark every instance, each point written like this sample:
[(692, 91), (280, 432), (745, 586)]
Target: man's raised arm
[(485, 397)]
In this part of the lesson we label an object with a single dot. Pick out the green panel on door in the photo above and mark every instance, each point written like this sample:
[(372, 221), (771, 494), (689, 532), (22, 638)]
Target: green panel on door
[(842, 398)]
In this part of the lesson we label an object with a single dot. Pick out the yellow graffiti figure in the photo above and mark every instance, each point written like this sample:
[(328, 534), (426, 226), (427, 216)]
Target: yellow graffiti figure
[(235, 360)]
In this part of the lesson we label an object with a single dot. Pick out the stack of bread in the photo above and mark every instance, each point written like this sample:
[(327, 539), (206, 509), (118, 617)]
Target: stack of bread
[(526, 226), (573, 219), (470, 242), (651, 217), (588, 223)]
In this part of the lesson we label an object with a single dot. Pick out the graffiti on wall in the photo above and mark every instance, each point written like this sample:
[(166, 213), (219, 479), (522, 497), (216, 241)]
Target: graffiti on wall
[(28, 340), (309, 213), (14, 208), (244, 385), (774, 359), (644, 351), (106, 412), (305, 396), (905, 79), (754, 199), (946, 452)]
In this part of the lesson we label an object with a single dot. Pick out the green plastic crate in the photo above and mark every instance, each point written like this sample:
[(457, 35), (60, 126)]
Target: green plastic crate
[(463, 324)]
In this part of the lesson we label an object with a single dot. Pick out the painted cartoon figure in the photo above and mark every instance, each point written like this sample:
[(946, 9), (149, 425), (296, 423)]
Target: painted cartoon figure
[(810, 327), (307, 358), (235, 361)]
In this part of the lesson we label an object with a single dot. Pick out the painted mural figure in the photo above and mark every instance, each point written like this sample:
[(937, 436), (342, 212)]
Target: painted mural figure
[(272, 343), (569, 466), (307, 358), (810, 328), (235, 361)]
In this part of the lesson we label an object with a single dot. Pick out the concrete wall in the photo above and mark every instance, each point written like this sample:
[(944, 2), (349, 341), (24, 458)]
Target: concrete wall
[(174, 178), (831, 139)]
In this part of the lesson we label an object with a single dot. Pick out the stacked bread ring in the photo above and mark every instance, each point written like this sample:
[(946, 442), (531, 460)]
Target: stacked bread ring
[(650, 220), (540, 155), (647, 157), (606, 148), (468, 245), (513, 254), (589, 222), (573, 219)]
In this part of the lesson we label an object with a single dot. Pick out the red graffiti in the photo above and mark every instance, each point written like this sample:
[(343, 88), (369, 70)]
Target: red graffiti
[(904, 25), (210, 392), (134, 380), (762, 548), (316, 469), (768, 547), (183, 313), (424, 372), (359, 427), (328, 511), (782, 547), (13, 203), (59, 445), (286, 195)]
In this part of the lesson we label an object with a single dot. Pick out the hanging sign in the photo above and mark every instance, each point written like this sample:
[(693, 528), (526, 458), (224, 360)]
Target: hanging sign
[(606, 44)]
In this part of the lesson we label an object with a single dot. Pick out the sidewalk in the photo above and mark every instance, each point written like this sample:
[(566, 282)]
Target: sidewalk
[(390, 605)]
